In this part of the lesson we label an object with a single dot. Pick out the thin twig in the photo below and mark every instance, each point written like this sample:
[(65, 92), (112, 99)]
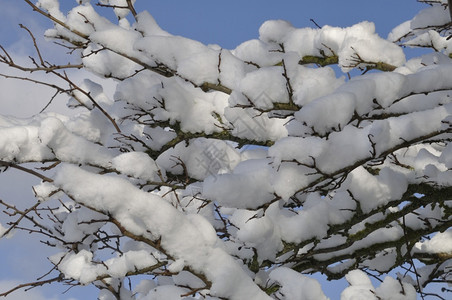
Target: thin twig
[(31, 285), (34, 43), (22, 216), (315, 23), (29, 171), (132, 9)]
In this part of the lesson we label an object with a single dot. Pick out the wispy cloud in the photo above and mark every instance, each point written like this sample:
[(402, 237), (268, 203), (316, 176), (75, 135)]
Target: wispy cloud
[(17, 97), (24, 99), (11, 14)]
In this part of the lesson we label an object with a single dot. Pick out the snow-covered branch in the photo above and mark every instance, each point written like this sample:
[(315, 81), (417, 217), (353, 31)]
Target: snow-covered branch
[(236, 174)]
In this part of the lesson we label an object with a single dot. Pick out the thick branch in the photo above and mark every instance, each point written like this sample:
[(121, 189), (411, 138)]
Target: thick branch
[(449, 4), (318, 60), (334, 59)]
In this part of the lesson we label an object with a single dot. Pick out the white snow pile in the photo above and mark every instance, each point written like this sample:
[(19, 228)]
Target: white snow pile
[(420, 31), (390, 289), (349, 44)]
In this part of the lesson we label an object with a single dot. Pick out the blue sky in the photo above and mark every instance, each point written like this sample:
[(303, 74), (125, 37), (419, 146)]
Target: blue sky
[(227, 23)]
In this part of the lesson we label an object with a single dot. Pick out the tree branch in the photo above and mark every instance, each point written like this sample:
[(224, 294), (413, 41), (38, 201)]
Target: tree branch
[(26, 170), (32, 285)]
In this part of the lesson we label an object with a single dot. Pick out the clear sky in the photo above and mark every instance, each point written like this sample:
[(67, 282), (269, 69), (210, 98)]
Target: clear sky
[(227, 23)]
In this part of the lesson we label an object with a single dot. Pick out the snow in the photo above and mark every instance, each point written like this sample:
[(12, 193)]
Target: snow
[(446, 156), (140, 213), (295, 148), (252, 125), (138, 165), (417, 32), (43, 137), (265, 86), (79, 266), (165, 291), (296, 286), (356, 42), (310, 222), (241, 189), (263, 235), (201, 158), (258, 52), (148, 26), (78, 17), (108, 62), (92, 126), (191, 107), (331, 160), (440, 243), (53, 7), (129, 262), (185, 278), (338, 109), (290, 178), (399, 31), (143, 81), (96, 93), (273, 31), (201, 61), (145, 286), (310, 84), (14, 140), (232, 69), (360, 95), (390, 289), (435, 15), (71, 148), (422, 21), (169, 49), (375, 191), (361, 41), (121, 12), (358, 278)]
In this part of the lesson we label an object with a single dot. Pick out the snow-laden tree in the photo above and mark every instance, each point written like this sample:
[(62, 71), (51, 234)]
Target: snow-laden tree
[(236, 174)]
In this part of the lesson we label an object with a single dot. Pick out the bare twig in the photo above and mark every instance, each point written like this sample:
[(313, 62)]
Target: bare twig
[(315, 23), (32, 285), (129, 6), (22, 216), (132, 9), (26, 170)]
